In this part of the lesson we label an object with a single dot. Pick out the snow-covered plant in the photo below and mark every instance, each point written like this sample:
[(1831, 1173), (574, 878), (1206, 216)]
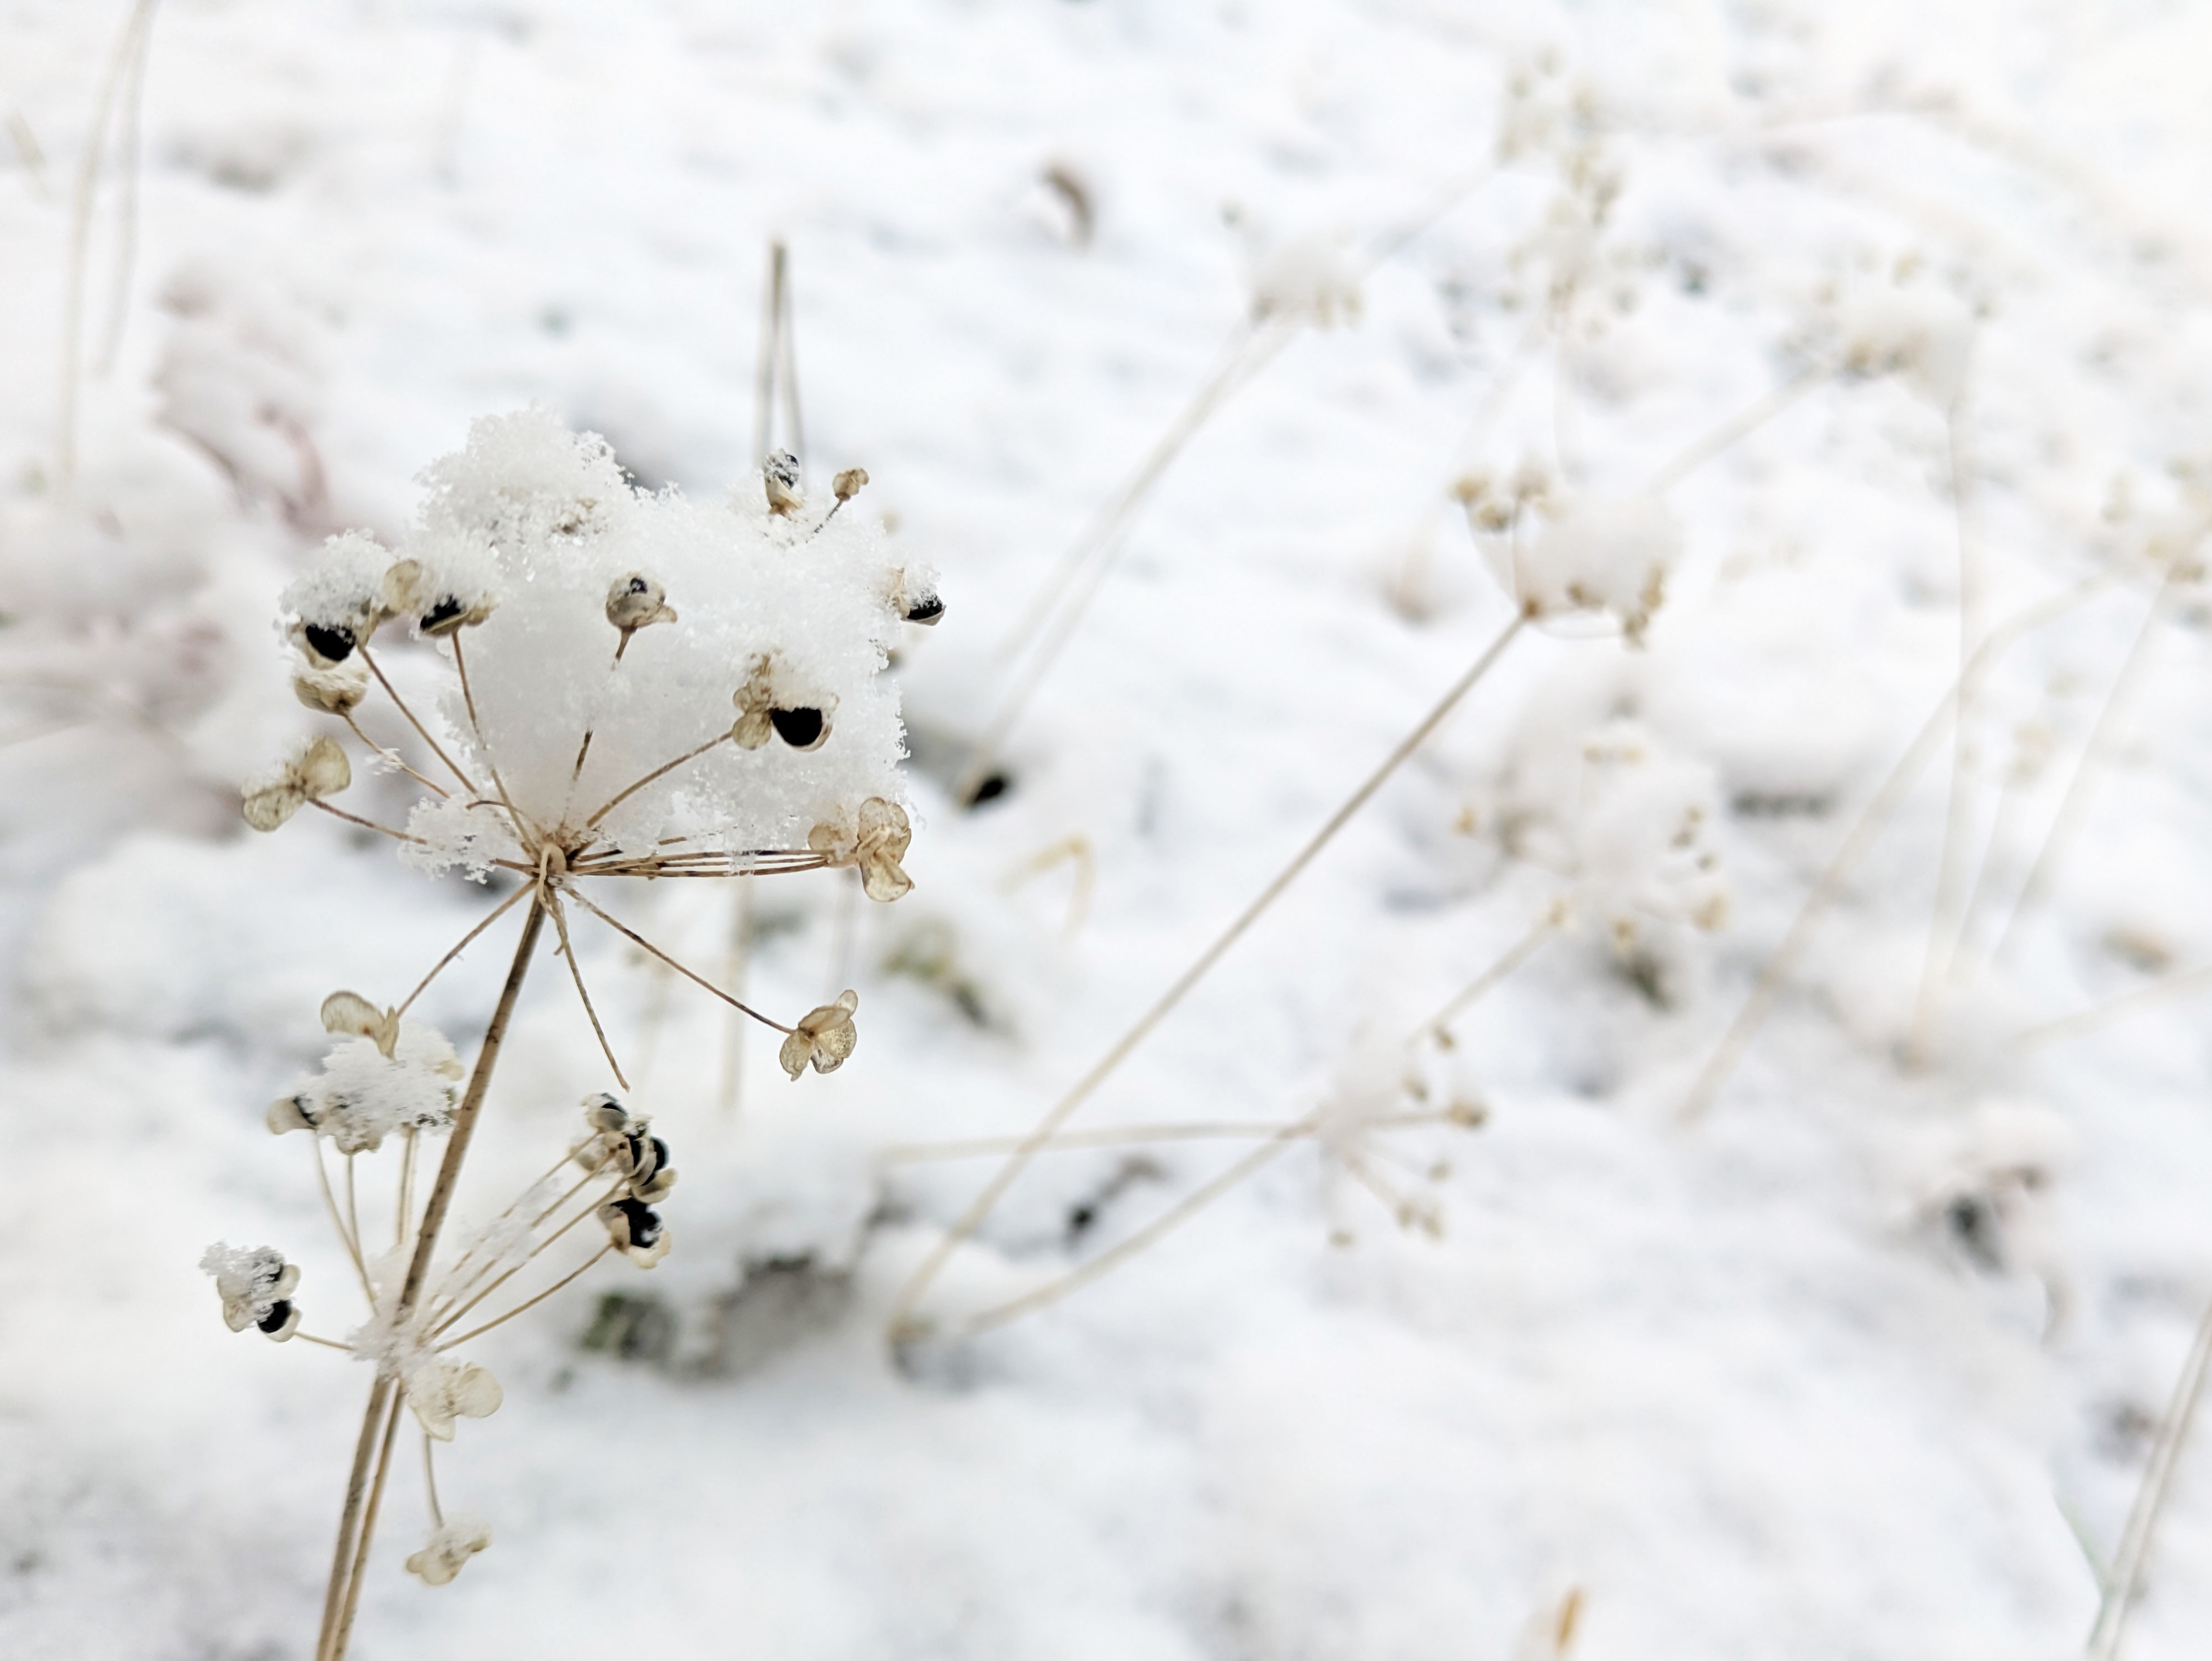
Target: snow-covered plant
[(638, 686)]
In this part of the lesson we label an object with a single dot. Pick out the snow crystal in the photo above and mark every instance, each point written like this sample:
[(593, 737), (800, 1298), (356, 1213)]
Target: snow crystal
[(362, 1097), (342, 589), (451, 835)]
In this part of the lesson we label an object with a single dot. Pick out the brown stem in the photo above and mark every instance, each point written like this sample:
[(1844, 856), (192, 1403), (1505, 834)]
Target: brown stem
[(353, 1524), (689, 974), (423, 731), (368, 1528)]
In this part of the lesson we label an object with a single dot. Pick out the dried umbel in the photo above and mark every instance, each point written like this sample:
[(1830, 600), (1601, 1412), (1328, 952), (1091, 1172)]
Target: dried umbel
[(564, 761)]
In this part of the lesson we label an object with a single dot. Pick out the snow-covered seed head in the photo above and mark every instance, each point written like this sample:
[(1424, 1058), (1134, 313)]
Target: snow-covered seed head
[(335, 692), (255, 1284), (850, 483), (766, 709), (318, 769), (1920, 334), (826, 1036), (350, 1014), (635, 1230), (780, 476), (450, 1546), (636, 601), (338, 605), (876, 840), (1602, 555), (441, 1391), (410, 590)]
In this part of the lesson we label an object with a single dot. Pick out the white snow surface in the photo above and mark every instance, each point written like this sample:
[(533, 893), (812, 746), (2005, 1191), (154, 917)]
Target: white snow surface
[(1862, 1362)]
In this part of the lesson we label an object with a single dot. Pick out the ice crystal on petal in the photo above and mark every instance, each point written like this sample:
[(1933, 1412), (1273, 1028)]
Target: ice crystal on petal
[(450, 1546)]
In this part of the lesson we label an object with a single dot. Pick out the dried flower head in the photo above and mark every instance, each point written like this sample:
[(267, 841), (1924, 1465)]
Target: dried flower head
[(779, 476), (440, 599), (636, 1229), (335, 692), (875, 839), (365, 1095), (636, 601), (1598, 555), (767, 706), (441, 1391), (255, 1284), (451, 1544), (317, 769), (850, 483), (824, 1037)]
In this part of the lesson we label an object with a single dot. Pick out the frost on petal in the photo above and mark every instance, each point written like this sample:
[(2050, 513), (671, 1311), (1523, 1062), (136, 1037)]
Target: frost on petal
[(1603, 554), (824, 1036), (449, 1547), (442, 1390), (362, 1095)]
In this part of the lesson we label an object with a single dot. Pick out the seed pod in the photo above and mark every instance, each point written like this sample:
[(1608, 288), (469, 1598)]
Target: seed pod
[(875, 839), (926, 610), (636, 601), (824, 1037), (289, 1113), (605, 1115), (281, 1321), (451, 1546), (351, 1013), (635, 1230), (780, 476), (327, 644), (320, 770), (850, 483), (335, 692), (802, 729), (409, 590)]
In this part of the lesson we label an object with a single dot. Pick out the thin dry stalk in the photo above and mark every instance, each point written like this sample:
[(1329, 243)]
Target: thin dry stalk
[(1129, 1136), (690, 975), (1439, 1025), (353, 1523), (1947, 919), (583, 994), (902, 1314), (422, 731), (2125, 1581), (2051, 855), (530, 1302), (1876, 814), (127, 47), (2116, 1009), (1735, 429)]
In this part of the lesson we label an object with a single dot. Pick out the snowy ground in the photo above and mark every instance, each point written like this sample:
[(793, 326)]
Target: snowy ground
[(1865, 1360)]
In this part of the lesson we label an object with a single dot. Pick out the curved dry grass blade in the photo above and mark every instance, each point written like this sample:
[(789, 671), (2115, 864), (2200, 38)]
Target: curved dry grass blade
[(1860, 837), (2125, 1581)]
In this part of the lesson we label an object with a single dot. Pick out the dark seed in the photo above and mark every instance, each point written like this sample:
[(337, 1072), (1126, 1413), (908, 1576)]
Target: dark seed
[(644, 1221), (640, 586), (279, 1312), (926, 610), (802, 729), (992, 786), (445, 612), (659, 1155), (334, 643)]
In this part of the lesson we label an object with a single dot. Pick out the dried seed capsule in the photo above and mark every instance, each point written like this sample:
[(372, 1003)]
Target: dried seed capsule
[(637, 1231), (926, 611), (876, 839), (605, 1114), (290, 1113), (450, 1547), (335, 692), (850, 483), (281, 1321), (636, 601), (320, 770), (824, 1037), (802, 728), (332, 642), (780, 476)]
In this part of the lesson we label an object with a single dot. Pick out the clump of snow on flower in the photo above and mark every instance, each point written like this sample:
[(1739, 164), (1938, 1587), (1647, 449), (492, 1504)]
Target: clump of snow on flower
[(1312, 279), (1919, 332), (538, 523), (362, 1096), (1609, 555), (1627, 821), (251, 1280)]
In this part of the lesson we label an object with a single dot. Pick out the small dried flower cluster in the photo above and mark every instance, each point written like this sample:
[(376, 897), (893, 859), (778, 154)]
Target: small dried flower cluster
[(255, 1285)]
